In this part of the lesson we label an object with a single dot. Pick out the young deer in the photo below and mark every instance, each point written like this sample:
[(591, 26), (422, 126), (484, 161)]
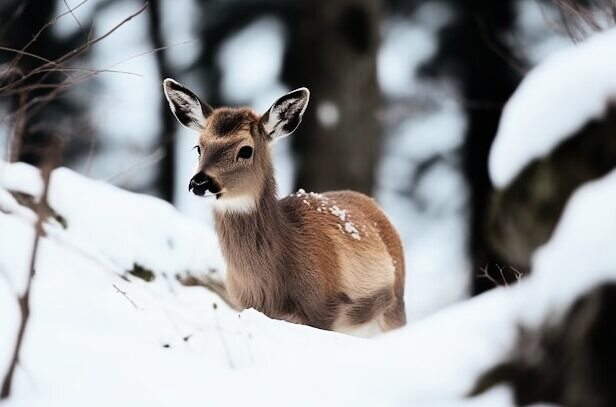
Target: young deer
[(332, 260)]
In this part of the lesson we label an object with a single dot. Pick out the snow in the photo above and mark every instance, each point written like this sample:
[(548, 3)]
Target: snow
[(152, 343), (160, 342), (323, 204), (436, 361), (553, 101), (581, 247)]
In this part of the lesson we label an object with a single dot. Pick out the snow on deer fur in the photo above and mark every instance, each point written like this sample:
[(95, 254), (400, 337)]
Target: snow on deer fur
[(554, 100), (287, 258)]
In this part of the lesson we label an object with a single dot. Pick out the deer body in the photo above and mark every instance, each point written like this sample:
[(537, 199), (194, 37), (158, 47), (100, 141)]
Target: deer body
[(332, 260)]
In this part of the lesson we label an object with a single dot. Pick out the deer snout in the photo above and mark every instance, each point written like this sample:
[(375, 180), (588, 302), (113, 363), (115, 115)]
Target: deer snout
[(201, 183)]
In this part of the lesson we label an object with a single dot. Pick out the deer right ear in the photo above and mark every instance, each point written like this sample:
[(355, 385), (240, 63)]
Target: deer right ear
[(185, 105)]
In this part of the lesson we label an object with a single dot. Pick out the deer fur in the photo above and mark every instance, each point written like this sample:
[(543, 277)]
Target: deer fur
[(332, 261)]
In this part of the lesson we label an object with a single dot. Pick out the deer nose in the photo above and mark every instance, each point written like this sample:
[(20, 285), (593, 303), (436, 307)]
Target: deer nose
[(200, 183)]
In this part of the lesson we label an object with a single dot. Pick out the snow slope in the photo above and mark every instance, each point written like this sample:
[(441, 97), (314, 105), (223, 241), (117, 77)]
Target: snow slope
[(100, 336), (437, 360)]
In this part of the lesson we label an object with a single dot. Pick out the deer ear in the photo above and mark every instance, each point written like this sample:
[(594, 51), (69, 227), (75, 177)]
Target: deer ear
[(285, 115), (185, 105)]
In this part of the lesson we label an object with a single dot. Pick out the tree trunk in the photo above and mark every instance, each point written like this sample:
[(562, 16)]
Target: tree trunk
[(166, 137), (332, 51)]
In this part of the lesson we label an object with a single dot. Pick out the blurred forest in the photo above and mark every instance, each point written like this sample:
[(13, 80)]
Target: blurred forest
[(406, 100)]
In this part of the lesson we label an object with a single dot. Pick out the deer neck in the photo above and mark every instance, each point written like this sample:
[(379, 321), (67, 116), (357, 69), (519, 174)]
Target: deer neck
[(255, 240)]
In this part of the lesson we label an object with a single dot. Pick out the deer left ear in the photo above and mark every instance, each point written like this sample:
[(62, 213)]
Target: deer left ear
[(185, 105), (286, 113)]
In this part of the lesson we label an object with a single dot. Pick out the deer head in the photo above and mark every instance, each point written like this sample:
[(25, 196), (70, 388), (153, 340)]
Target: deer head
[(234, 143)]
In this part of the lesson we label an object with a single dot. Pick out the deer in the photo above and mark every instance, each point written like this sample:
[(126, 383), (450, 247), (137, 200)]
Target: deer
[(332, 261)]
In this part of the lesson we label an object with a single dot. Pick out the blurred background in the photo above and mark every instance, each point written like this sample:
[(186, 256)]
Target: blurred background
[(406, 100)]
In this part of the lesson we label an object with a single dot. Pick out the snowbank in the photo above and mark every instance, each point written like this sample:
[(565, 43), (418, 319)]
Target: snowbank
[(437, 360), (557, 98), (100, 336)]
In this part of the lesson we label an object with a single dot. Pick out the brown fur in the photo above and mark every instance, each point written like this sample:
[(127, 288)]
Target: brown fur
[(332, 261)]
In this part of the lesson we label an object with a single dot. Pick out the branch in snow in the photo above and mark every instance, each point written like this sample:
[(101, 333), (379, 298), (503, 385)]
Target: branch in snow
[(125, 296), (24, 299)]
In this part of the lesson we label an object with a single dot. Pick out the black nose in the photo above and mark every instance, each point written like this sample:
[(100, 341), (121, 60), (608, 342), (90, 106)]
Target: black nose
[(199, 184)]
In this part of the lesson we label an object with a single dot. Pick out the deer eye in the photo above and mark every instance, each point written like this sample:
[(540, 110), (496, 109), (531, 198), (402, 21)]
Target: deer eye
[(245, 152), (198, 149)]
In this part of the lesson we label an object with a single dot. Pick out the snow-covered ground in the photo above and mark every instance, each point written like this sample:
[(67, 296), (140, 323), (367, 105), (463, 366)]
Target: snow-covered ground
[(98, 335)]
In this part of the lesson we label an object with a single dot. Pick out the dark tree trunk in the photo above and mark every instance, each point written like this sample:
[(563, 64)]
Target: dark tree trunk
[(473, 51), (332, 51), (166, 137)]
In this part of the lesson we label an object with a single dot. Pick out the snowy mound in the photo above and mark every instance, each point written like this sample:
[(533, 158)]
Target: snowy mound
[(435, 362), (555, 100), (104, 332), (109, 321)]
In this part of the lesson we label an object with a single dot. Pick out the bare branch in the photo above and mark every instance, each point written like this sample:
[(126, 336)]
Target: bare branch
[(39, 32), (125, 296), (24, 298), (73, 53), (74, 16), (485, 273)]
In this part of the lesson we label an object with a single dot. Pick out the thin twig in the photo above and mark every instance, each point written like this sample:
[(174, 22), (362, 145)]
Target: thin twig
[(74, 16), (485, 273), (74, 52), (125, 296), (39, 32), (24, 299)]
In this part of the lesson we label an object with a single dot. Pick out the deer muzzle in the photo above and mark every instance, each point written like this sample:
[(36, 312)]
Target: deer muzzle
[(202, 183)]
